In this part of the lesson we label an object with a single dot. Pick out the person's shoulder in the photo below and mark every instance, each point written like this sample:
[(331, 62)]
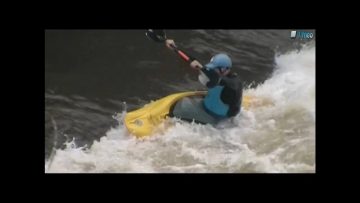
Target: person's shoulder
[(233, 80)]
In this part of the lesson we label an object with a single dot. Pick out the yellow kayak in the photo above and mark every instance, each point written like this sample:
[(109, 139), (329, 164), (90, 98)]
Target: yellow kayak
[(143, 122)]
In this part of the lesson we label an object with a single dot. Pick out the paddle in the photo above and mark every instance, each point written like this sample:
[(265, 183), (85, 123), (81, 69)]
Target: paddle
[(160, 36)]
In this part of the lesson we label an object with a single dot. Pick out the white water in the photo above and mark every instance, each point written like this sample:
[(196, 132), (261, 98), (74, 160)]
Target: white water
[(278, 135)]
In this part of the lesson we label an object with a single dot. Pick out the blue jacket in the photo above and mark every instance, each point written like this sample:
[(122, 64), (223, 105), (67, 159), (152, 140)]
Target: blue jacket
[(224, 95)]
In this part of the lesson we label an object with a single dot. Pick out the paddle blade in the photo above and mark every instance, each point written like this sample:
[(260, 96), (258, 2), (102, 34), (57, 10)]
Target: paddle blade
[(156, 35)]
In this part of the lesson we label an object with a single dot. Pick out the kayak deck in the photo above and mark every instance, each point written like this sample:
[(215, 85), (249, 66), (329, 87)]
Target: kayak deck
[(143, 122)]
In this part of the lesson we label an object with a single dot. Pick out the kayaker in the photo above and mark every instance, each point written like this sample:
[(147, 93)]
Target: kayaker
[(224, 96)]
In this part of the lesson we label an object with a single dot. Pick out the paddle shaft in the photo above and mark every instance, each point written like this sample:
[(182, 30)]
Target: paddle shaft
[(181, 53)]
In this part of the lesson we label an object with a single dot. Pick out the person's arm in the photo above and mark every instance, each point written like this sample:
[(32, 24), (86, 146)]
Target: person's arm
[(193, 62), (209, 78), (232, 95)]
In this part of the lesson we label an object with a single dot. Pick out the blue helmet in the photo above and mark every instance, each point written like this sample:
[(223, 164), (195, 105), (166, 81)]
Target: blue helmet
[(219, 61)]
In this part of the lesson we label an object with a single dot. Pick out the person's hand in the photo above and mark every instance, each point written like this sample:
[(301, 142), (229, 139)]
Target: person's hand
[(169, 43), (196, 65)]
